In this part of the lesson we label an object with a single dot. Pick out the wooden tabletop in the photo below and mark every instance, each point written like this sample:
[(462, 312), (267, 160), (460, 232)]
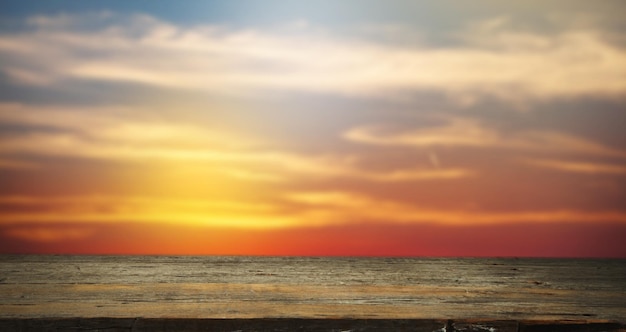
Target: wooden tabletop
[(149, 292)]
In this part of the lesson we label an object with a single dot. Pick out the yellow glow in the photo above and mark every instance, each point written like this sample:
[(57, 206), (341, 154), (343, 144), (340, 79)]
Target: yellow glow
[(145, 209), (306, 208)]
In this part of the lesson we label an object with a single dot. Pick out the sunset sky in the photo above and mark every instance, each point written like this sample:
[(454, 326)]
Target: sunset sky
[(384, 128)]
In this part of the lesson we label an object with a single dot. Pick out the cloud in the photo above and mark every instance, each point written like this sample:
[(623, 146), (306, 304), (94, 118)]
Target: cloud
[(469, 133), (329, 207), (493, 59), (416, 174), (578, 166), (118, 134), (123, 135), (456, 132), (17, 164)]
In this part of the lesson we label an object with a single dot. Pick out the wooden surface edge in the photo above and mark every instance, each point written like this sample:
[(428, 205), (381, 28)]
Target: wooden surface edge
[(304, 324)]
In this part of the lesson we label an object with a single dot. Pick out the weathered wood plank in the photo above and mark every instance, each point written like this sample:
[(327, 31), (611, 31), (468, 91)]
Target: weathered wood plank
[(296, 324)]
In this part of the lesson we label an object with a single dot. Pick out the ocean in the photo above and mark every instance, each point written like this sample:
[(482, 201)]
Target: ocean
[(216, 287)]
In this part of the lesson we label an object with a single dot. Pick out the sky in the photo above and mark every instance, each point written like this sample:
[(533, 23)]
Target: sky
[(352, 128)]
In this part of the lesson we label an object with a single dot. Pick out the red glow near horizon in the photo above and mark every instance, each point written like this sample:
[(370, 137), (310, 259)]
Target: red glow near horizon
[(518, 240)]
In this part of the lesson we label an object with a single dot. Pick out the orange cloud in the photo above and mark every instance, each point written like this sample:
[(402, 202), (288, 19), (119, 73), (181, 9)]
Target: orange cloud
[(49, 234), (578, 166), (462, 132), (334, 206), (17, 164)]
